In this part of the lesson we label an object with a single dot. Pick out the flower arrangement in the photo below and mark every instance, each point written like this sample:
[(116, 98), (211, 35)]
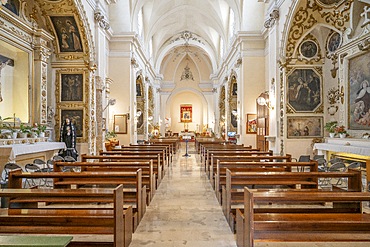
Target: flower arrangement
[(340, 129), (331, 126)]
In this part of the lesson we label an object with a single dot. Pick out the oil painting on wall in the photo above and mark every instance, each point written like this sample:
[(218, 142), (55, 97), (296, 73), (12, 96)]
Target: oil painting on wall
[(304, 90), (72, 87), (69, 39), (304, 127), (12, 5), (359, 92), (186, 111)]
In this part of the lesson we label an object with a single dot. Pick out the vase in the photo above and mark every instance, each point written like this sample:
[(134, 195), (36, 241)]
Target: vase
[(42, 134), (331, 135), (14, 134), (342, 135)]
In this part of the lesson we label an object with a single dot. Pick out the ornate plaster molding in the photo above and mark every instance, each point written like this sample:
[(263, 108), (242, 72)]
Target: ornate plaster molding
[(271, 20), (101, 19)]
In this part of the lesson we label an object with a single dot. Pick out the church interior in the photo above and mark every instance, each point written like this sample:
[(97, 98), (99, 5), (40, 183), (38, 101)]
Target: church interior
[(285, 78)]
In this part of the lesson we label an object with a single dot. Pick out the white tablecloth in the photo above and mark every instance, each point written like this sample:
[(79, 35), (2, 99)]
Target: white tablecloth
[(19, 149), (360, 150)]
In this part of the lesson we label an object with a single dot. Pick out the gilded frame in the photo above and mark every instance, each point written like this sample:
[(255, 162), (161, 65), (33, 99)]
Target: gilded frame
[(120, 123)]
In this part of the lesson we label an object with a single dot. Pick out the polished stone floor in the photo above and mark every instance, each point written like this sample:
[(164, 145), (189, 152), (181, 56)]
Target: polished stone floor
[(185, 212)]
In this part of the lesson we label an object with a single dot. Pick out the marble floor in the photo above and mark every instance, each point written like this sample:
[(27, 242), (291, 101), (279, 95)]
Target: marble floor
[(185, 212)]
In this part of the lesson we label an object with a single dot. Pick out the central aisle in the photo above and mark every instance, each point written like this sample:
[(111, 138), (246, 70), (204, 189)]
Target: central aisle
[(184, 210)]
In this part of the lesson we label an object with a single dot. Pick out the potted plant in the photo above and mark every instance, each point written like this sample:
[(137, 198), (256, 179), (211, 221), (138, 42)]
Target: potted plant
[(24, 130), (341, 130), (110, 140), (40, 130), (330, 127)]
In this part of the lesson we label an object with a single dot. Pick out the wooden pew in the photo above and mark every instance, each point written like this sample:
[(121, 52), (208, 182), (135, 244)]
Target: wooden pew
[(157, 164), (148, 177), (297, 180), (245, 156), (161, 153), (167, 149), (175, 143), (199, 141), (220, 172), (115, 220), (133, 190), (313, 226), (206, 150)]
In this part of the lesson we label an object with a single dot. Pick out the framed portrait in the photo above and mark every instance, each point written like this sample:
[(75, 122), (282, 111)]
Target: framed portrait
[(304, 127), (334, 42), (359, 92), (233, 118), (251, 121), (308, 49), (304, 92), (68, 34), (120, 124), (72, 87), (11, 5), (77, 118)]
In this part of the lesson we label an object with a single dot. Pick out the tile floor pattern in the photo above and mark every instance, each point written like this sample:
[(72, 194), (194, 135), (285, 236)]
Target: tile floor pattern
[(185, 212)]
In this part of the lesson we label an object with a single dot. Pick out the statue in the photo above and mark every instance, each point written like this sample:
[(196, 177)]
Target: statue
[(68, 136)]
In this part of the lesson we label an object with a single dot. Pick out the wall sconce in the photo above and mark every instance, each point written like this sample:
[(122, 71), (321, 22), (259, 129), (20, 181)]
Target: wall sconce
[(265, 102), (110, 102)]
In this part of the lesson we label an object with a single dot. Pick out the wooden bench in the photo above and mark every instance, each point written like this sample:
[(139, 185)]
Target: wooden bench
[(220, 172), (161, 153), (246, 157), (175, 143), (204, 149), (115, 220), (167, 149), (134, 192), (156, 159), (147, 176), (313, 226), (296, 180)]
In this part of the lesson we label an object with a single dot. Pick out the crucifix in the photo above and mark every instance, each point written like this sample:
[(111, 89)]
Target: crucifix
[(2, 65)]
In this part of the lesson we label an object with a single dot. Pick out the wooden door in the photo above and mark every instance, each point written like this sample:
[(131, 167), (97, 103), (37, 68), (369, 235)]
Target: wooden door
[(262, 124)]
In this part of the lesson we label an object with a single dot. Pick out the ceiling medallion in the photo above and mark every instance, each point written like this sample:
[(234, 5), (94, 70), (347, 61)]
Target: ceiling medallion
[(187, 75)]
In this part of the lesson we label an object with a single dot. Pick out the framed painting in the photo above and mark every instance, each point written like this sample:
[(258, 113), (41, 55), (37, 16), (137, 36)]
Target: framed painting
[(77, 118), (251, 120), (186, 112), (304, 127), (308, 49), (11, 5), (120, 124), (72, 87), (359, 92), (334, 42), (304, 92), (68, 34)]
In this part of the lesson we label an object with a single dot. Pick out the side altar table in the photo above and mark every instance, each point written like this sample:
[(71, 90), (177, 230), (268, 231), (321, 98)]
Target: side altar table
[(25, 153)]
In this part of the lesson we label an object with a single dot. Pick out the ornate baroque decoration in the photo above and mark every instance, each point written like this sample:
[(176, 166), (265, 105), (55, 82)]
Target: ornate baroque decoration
[(186, 74), (282, 117), (233, 97), (187, 36), (308, 15), (101, 19), (273, 17), (140, 104)]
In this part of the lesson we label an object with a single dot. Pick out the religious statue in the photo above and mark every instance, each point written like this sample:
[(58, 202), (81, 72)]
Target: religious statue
[(68, 136)]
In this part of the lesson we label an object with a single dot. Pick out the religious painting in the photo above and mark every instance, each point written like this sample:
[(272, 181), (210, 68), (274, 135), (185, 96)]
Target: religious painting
[(251, 120), (139, 91), (359, 92), (6, 60), (12, 5), (68, 35), (186, 112), (308, 49), (304, 127), (334, 42), (120, 124), (140, 119), (304, 90), (76, 117), (234, 118), (72, 87)]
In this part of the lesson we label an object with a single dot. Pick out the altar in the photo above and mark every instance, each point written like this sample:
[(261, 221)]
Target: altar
[(25, 153), (348, 149)]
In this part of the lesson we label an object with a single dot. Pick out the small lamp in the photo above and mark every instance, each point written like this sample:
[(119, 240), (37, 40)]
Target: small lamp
[(110, 102), (264, 102)]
